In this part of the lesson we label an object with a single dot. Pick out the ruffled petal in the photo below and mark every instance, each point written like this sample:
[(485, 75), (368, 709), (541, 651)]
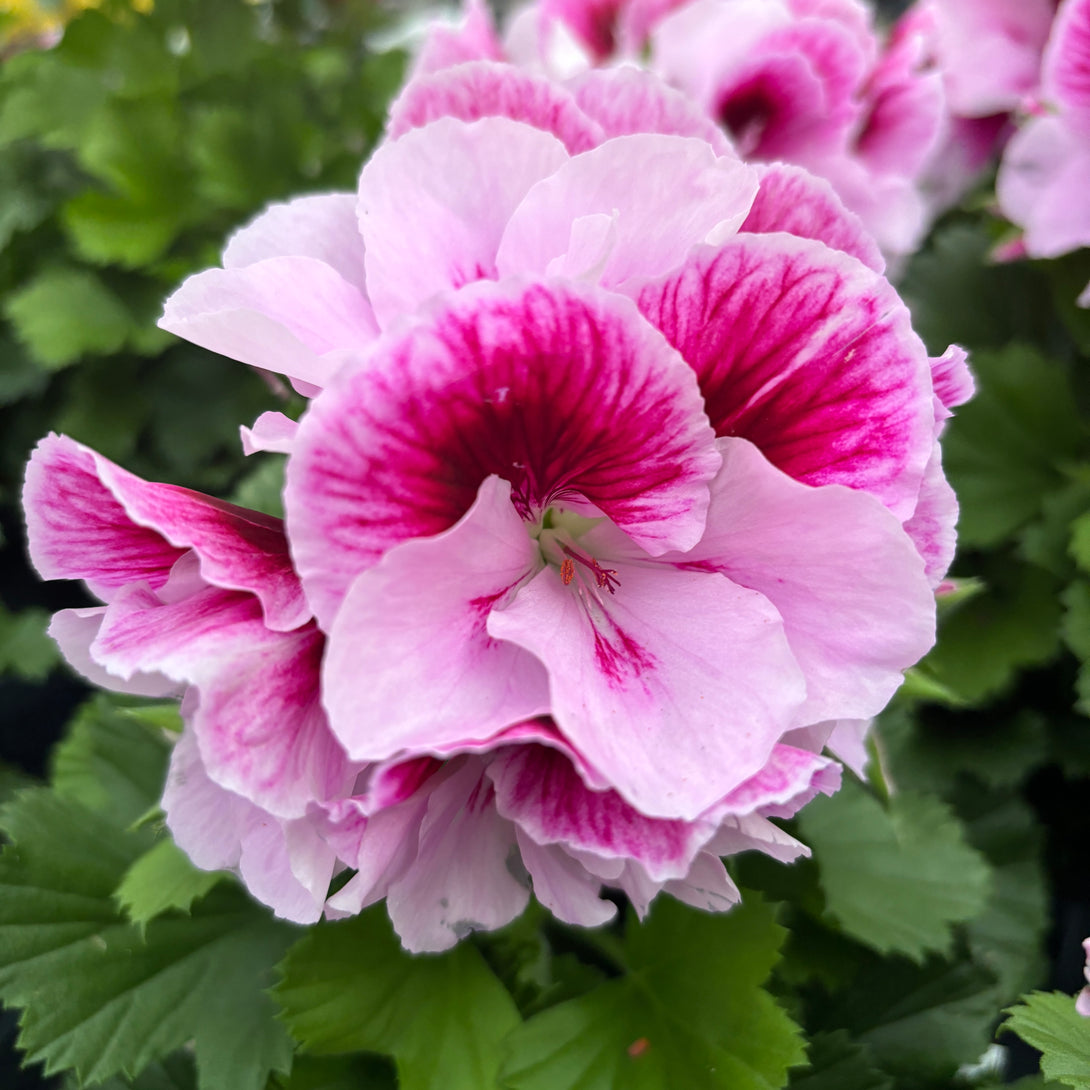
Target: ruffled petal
[(563, 885), (809, 355), (473, 38), (459, 881), (323, 226), (1041, 186), (627, 99), (932, 526), (88, 518), (78, 529), (282, 313), (75, 630), (1065, 74), (286, 865), (667, 193), (433, 206), (540, 791), (487, 89), (272, 431), (561, 389), (799, 203), (676, 688), (410, 666), (847, 580)]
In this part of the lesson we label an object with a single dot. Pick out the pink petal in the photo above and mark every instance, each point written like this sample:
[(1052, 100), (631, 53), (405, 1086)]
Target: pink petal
[(796, 93), (433, 206), (539, 790), (261, 729), (563, 885), (667, 193), (790, 779), (802, 204), (628, 99), (752, 832), (932, 525), (322, 226), (848, 582), (459, 881), (474, 38), (78, 529), (1042, 186), (75, 630), (487, 89), (952, 379), (676, 688), (410, 666), (905, 105), (1066, 65), (707, 886), (561, 389), (809, 355), (285, 865), (991, 51), (272, 431), (848, 744), (282, 313), (89, 518)]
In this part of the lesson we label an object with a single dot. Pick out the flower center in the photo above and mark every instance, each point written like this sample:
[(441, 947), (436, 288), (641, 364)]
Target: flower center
[(557, 534)]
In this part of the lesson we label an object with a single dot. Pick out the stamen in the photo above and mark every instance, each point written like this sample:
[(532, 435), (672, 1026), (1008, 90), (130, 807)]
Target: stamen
[(567, 571), (604, 578)]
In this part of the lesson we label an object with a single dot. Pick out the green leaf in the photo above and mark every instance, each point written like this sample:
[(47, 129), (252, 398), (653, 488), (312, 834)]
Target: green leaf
[(65, 313), (958, 296), (1008, 936), (984, 644), (100, 998), (839, 1063), (690, 1012), (108, 229), (919, 1022), (1005, 449), (161, 879), (1076, 634), (340, 1073), (350, 987), (928, 749), (25, 649), (895, 879), (1048, 1021), (110, 762), (174, 1072)]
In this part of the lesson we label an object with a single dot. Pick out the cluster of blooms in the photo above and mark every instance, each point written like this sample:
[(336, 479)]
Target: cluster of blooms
[(618, 496), (802, 81)]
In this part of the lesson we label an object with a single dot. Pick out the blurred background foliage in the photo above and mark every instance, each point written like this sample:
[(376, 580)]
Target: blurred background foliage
[(131, 146)]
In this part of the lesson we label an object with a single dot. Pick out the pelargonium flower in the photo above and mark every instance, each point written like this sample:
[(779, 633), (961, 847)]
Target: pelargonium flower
[(613, 500), (1042, 179), (787, 80)]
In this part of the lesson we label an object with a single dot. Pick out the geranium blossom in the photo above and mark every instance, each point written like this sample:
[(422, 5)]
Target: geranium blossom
[(613, 501)]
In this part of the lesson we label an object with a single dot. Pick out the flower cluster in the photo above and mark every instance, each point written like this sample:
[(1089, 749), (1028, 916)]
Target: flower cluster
[(799, 81), (618, 495)]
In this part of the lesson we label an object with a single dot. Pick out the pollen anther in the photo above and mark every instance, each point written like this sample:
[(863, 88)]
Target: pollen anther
[(567, 570)]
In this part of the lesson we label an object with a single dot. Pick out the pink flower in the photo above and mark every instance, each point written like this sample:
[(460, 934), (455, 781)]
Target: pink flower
[(788, 80), (1042, 179), (613, 500)]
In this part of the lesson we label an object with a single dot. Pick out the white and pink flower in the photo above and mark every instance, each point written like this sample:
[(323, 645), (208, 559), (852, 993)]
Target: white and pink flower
[(1042, 179), (614, 499)]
